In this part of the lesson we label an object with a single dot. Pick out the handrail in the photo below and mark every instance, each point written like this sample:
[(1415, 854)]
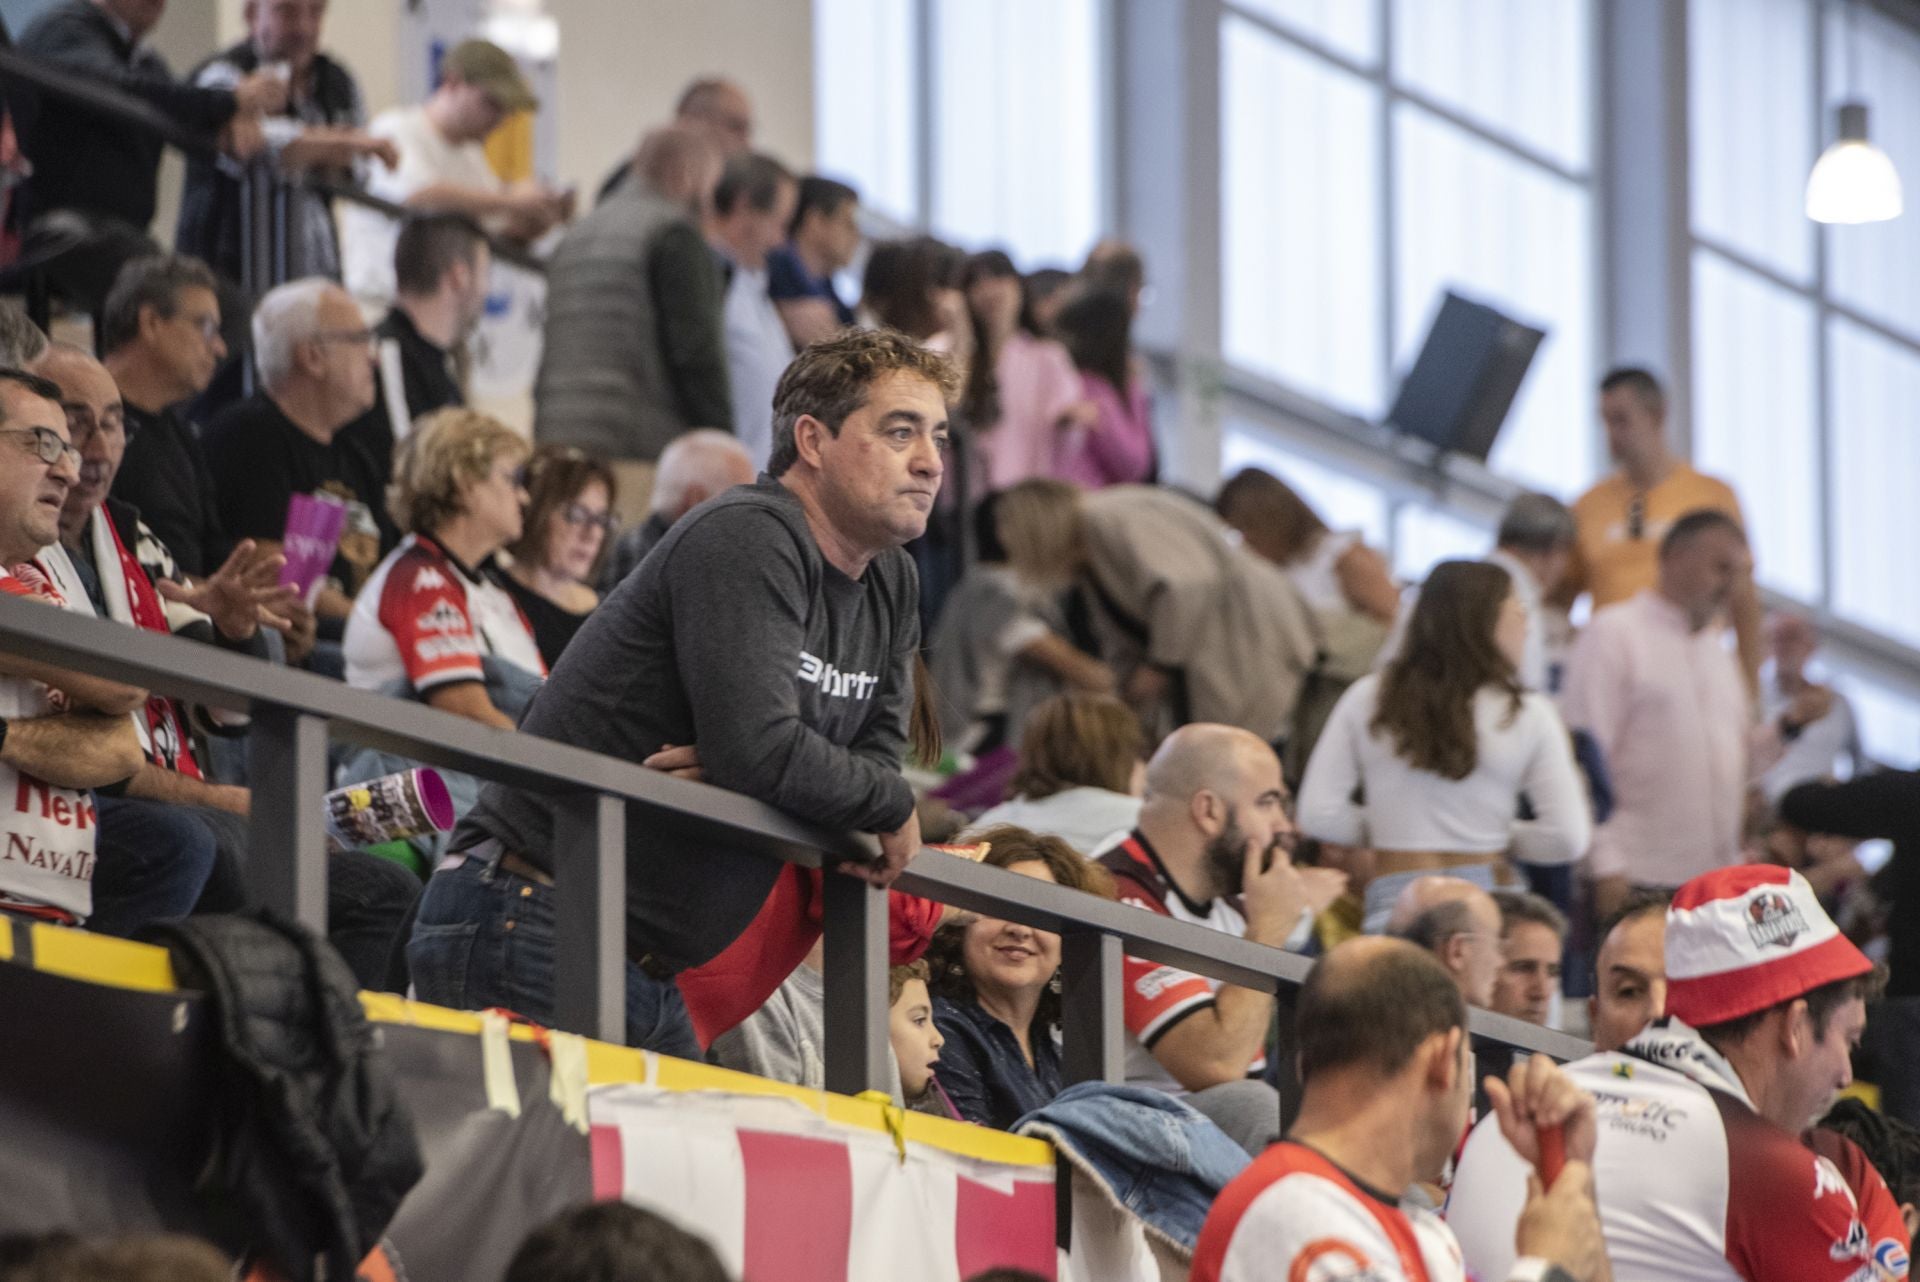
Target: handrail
[(17, 68), (295, 712)]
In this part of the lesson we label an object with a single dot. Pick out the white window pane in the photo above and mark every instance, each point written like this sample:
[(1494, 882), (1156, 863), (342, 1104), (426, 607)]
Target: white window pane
[(1502, 232), (1300, 229), (1430, 535), (1017, 127), (865, 110), (1875, 266), (1349, 27), (1889, 719), (1750, 100), (1874, 386), (1344, 502), (1754, 414), (1517, 66)]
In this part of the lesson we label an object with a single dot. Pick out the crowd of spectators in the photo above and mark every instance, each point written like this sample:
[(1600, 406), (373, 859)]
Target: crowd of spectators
[(790, 545)]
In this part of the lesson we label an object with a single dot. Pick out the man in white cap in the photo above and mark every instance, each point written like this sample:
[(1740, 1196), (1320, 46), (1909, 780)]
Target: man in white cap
[(1700, 1169)]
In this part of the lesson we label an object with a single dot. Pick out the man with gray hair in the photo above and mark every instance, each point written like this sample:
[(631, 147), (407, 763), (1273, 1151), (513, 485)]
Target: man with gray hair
[(316, 376), (698, 465), (21, 341), (634, 354)]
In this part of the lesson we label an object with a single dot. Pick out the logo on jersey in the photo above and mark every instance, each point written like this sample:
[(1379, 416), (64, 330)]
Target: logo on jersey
[(1853, 1246), (1827, 1179), (428, 579), (1648, 1118), (1773, 921), (444, 617), (1331, 1260), (832, 681), (1890, 1259)]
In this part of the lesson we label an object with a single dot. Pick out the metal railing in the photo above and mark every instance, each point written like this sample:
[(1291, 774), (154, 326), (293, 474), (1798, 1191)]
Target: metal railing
[(295, 713)]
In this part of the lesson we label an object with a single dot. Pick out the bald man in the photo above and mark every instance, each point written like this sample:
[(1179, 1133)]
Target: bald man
[(1214, 848), (694, 467), (1458, 923)]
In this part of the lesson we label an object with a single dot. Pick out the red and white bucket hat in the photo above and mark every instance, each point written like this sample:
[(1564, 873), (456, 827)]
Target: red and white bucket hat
[(1743, 939)]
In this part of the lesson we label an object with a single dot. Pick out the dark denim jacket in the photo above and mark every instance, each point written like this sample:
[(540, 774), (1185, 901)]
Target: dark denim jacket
[(982, 1069)]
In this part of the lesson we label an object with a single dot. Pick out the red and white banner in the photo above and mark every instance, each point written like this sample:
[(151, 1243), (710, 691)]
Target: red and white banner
[(782, 1193)]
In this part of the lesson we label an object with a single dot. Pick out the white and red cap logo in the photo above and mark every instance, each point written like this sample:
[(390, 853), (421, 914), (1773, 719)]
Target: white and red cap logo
[(1743, 939)]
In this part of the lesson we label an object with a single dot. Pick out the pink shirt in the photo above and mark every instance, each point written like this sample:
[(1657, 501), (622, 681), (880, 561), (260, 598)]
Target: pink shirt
[(1669, 709), (1038, 385), (1118, 448)]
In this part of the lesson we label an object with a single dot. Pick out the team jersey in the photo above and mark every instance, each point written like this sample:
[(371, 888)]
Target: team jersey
[(1694, 1185), (425, 619), (1293, 1216), (1158, 997)]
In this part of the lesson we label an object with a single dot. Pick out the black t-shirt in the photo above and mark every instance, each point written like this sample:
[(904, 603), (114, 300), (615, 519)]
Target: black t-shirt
[(260, 460), (166, 476), (426, 371), (553, 625)]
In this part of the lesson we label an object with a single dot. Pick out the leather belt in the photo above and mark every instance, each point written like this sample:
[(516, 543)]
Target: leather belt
[(517, 865)]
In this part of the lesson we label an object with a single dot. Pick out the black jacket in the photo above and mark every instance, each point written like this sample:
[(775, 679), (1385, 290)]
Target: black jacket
[(311, 1149)]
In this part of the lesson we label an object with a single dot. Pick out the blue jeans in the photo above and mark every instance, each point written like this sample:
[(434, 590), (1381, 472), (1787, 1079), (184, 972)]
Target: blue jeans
[(485, 938), (152, 860)]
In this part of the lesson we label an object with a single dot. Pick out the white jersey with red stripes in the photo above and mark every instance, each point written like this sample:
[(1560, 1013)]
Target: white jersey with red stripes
[(1294, 1216), (1693, 1184), (424, 618)]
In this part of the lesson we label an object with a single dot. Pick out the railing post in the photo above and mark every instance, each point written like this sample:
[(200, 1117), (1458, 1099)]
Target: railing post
[(1093, 1047), (590, 917), (1283, 1056), (856, 986), (287, 770)]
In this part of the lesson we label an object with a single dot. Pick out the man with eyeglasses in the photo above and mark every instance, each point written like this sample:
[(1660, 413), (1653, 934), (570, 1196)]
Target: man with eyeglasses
[(1459, 923), (159, 336), (316, 373), (61, 733)]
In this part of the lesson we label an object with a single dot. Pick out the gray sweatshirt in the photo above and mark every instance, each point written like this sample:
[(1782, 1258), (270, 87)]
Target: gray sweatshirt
[(794, 681)]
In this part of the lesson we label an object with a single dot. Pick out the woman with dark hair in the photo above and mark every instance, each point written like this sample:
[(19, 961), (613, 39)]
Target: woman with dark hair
[(996, 995), (1443, 744), (1082, 773), (1043, 292), (913, 286), (557, 556), (1116, 447), (1022, 393)]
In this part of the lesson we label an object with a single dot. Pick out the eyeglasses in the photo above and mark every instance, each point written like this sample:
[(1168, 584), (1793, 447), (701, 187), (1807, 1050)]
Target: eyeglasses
[(581, 516), (209, 327), (46, 444), (82, 423)]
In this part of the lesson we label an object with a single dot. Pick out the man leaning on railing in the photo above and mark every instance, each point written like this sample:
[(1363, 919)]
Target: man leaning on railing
[(767, 644)]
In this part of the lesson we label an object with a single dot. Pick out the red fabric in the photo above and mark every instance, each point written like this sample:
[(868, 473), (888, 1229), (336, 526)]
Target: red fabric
[(1013, 1230), (799, 1215), (1879, 1209), (1706, 1000), (171, 749), (1790, 1213)]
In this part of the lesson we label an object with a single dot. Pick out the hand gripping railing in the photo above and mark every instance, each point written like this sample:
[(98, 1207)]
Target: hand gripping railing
[(294, 713)]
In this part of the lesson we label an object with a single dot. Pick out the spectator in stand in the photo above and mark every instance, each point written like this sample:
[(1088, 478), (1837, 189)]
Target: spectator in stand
[(1459, 923), (65, 732), (21, 341), (751, 209), (1196, 629), (696, 466), (1811, 726), (159, 336), (1533, 938), (556, 557), (1023, 394), (1889, 1143), (1624, 518), (634, 353), (613, 1242), (822, 240), (175, 839), (801, 579), (1885, 805), (1214, 848), (1116, 446), (1630, 971), (1082, 774), (915, 1038), (315, 355), (718, 110), (995, 1004), (1043, 292), (1701, 1169), (317, 132), (431, 615), (94, 166), (1386, 1068), (1114, 264), (443, 166), (913, 286), (1003, 643), (1665, 702), (1442, 746), (440, 265)]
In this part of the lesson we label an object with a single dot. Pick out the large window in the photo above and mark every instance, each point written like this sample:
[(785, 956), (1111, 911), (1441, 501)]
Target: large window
[(1370, 166), (980, 118)]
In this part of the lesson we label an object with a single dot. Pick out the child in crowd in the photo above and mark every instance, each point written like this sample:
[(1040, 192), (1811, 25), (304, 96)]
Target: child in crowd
[(916, 1042)]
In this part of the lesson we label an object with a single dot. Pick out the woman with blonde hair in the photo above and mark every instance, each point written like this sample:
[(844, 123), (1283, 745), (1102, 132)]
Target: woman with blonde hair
[(1081, 775), (1003, 642), (431, 617)]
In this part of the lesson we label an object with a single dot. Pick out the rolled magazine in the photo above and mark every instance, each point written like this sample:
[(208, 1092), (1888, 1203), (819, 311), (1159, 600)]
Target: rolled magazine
[(413, 803)]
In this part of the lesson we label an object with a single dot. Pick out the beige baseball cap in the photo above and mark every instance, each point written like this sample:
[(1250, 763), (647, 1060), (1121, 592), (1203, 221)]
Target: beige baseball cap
[(491, 69)]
